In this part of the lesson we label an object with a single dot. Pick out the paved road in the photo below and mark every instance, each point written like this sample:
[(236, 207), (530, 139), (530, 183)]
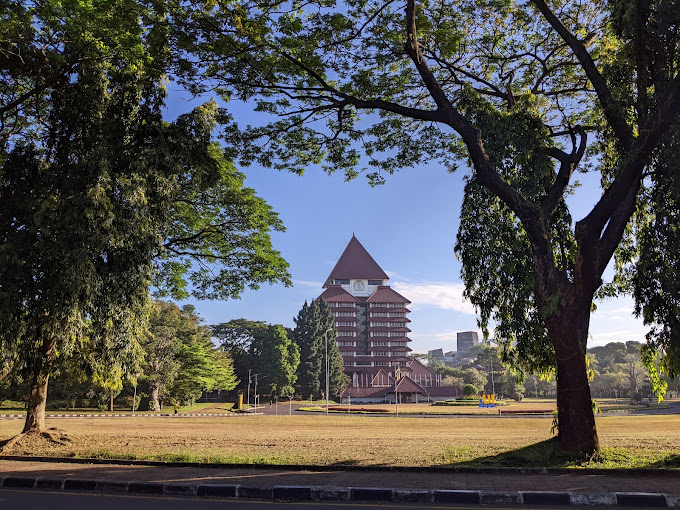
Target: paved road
[(78, 501)]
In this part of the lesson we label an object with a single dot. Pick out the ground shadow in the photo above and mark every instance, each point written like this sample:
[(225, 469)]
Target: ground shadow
[(548, 454), (542, 454)]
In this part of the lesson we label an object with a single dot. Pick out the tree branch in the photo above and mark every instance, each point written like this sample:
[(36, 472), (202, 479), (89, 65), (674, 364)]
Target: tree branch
[(568, 163), (373, 104), (614, 210), (612, 109)]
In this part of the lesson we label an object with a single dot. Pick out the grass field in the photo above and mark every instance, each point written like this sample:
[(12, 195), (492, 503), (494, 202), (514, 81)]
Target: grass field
[(627, 441)]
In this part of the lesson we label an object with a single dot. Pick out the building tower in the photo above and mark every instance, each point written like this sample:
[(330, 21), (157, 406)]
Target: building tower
[(370, 317), (466, 340)]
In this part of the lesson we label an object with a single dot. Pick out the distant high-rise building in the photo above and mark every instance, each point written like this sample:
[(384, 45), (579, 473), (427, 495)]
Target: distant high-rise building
[(371, 318), (466, 341)]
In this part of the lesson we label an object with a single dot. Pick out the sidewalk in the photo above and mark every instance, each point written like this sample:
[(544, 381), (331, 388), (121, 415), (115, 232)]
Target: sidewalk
[(464, 486)]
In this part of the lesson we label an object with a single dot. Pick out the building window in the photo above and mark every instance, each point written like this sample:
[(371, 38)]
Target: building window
[(378, 333), (397, 314), (344, 323), (341, 282), (347, 333), (380, 353), (379, 314), (375, 282), (378, 324), (378, 344), (396, 305), (344, 314), (379, 305)]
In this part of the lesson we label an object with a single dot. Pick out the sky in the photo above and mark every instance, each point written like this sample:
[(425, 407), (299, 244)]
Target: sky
[(408, 225)]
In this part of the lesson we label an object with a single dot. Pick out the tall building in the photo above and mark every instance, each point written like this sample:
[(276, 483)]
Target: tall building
[(466, 340), (370, 317)]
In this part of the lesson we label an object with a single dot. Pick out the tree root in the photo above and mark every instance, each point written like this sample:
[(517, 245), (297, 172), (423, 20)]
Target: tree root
[(6, 446), (53, 435)]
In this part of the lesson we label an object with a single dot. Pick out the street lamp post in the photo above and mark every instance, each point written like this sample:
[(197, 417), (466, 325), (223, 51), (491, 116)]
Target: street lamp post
[(249, 370), (325, 338)]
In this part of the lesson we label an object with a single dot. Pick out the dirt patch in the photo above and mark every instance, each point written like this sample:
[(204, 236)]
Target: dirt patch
[(51, 441)]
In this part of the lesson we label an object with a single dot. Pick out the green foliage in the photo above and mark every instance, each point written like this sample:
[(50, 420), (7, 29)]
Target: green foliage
[(100, 198), (517, 91), (470, 389), (234, 338), (314, 331), (275, 358), (180, 360)]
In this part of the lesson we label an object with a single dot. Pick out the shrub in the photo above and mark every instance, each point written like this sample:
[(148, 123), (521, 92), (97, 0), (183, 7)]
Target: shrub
[(469, 390)]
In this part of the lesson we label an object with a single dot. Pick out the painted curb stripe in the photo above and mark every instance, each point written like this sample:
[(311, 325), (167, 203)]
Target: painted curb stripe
[(322, 493)]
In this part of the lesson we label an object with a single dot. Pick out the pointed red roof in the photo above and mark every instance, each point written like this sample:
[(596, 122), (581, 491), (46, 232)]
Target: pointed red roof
[(385, 294), (336, 294), (408, 385), (356, 263)]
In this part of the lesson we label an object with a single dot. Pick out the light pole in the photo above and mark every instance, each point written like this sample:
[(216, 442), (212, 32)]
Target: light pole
[(256, 395), (134, 397), (249, 370), (493, 387), (325, 338)]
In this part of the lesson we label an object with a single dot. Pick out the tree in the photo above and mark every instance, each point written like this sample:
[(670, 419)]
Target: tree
[(337, 379), (305, 335), (315, 332), (527, 94), (234, 338), (100, 197), (470, 390), (450, 380), (180, 360), (275, 358)]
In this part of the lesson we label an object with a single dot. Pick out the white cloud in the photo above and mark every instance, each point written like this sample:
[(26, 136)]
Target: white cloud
[(623, 335), (304, 283), (446, 295), (625, 310)]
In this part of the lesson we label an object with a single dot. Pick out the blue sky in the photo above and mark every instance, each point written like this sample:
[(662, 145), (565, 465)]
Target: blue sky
[(408, 225)]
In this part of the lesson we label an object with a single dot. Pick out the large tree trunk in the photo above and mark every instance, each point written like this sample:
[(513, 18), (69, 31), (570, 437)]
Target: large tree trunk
[(154, 398), (37, 400), (569, 334)]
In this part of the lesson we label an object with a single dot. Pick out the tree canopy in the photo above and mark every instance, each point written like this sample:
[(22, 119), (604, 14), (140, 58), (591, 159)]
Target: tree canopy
[(100, 198), (527, 94), (315, 332), (181, 361)]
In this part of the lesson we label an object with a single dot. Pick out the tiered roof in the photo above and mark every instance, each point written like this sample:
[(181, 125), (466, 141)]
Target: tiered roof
[(356, 263), (336, 294), (385, 294)]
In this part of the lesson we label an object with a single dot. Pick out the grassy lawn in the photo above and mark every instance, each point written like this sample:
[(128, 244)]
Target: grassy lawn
[(510, 406), (627, 441)]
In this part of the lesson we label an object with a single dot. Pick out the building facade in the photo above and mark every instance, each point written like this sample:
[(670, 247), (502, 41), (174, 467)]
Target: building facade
[(466, 340), (371, 318)]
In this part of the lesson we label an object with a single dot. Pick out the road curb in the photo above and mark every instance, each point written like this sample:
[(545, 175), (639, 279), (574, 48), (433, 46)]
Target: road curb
[(362, 494)]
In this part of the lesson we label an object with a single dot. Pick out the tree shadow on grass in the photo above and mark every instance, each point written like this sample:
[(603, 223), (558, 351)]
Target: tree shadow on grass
[(548, 454), (542, 454)]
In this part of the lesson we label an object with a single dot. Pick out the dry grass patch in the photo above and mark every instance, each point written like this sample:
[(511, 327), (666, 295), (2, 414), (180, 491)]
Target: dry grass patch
[(358, 440)]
